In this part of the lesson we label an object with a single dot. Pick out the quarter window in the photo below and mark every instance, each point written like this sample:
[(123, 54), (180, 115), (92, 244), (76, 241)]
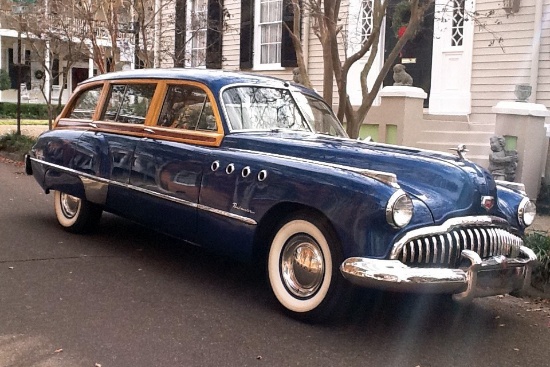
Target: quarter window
[(187, 107), (86, 104), (129, 103)]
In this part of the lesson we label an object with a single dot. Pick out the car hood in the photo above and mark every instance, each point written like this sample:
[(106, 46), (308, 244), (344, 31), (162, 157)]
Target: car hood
[(448, 185)]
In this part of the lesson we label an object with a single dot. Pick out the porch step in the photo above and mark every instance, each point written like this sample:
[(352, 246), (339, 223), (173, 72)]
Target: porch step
[(477, 152), (458, 137), (453, 125), (463, 118)]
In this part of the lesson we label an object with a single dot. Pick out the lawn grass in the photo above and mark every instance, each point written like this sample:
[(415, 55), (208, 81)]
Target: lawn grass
[(23, 122)]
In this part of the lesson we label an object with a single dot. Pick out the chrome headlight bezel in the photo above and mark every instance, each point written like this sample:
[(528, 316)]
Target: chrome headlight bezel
[(527, 211), (399, 210)]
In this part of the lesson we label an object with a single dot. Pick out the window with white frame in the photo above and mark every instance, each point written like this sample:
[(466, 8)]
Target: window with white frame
[(197, 21), (268, 31)]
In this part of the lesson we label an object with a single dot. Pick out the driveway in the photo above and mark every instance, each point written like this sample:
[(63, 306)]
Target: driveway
[(127, 296)]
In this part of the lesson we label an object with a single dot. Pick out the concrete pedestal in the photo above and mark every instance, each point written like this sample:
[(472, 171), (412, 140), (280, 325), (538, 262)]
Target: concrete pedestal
[(525, 121), (403, 107)]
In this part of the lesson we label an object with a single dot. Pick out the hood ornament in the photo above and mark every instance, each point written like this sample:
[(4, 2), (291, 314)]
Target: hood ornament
[(460, 150)]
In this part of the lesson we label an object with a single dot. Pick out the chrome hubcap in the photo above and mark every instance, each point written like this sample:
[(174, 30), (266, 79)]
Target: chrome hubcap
[(69, 205), (302, 266)]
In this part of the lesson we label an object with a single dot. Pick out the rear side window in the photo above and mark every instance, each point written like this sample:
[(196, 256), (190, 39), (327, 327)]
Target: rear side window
[(187, 107), (129, 103), (86, 104)]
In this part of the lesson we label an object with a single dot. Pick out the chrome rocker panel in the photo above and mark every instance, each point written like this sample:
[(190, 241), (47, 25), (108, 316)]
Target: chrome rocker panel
[(482, 278)]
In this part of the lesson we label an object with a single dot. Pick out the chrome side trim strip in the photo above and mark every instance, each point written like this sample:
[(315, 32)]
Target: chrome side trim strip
[(387, 178), (89, 180)]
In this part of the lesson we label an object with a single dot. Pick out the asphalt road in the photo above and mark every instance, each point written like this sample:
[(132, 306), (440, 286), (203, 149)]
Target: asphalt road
[(127, 296)]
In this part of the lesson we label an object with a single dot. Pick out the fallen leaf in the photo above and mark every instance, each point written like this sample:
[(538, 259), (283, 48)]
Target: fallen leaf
[(59, 350)]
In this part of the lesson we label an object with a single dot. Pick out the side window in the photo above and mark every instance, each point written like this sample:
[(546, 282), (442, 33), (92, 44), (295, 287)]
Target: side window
[(187, 107), (129, 103), (86, 104)]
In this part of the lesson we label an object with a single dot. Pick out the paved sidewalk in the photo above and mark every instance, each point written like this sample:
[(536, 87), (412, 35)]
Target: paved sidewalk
[(541, 224), (30, 130)]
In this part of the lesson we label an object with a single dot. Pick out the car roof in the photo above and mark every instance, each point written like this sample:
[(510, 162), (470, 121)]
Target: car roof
[(214, 79)]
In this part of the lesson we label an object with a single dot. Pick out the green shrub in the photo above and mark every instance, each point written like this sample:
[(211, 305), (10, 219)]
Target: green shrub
[(5, 81), (539, 242), (13, 143), (28, 110)]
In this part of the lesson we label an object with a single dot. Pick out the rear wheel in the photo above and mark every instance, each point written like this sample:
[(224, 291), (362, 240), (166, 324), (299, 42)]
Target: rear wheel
[(74, 214), (303, 269)]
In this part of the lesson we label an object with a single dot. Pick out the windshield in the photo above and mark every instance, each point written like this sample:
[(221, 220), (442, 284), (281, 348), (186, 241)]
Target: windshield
[(264, 108)]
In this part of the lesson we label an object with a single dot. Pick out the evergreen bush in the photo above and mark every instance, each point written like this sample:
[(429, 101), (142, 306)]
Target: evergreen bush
[(28, 110), (539, 242)]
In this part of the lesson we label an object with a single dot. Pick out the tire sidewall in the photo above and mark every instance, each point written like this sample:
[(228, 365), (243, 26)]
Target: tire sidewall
[(283, 295), (67, 222)]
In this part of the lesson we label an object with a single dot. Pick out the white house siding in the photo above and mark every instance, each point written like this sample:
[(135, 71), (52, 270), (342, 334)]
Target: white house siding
[(232, 40), (231, 46), (231, 36), (496, 70)]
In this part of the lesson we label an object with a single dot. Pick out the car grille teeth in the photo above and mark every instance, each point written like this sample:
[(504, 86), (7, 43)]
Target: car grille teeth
[(444, 250)]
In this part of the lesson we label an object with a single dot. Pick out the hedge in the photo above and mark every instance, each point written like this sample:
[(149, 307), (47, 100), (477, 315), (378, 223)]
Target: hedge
[(28, 110)]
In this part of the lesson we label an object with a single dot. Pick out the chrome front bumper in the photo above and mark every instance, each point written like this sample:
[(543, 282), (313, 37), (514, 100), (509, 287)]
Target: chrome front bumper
[(489, 277)]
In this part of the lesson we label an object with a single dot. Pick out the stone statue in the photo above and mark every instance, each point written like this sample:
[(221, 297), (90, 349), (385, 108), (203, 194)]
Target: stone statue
[(400, 76), (502, 163)]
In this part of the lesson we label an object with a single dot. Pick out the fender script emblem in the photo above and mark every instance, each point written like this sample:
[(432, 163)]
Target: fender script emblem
[(236, 206)]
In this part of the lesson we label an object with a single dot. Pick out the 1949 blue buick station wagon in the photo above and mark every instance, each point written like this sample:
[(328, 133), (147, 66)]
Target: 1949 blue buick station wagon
[(260, 169)]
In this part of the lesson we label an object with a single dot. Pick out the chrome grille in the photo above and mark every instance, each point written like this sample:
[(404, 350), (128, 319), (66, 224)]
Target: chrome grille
[(444, 249)]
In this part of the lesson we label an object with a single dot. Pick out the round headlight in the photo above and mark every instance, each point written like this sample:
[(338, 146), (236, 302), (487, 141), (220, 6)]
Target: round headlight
[(526, 212), (399, 210)]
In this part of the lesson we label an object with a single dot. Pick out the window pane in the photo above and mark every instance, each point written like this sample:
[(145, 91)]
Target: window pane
[(86, 104), (187, 107), (257, 108), (270, 31), (129, 103), (196, 33)]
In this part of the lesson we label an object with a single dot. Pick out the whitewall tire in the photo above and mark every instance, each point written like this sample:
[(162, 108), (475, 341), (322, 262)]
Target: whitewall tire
[(74, 214), (302, 267)]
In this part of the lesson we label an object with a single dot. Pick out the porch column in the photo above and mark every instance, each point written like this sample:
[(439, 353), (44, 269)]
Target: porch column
[(1, 67), (522, 125), (47, 75), (91, 63)]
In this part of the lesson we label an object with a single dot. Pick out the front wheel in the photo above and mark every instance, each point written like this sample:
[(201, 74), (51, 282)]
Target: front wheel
[(74, 214), (303, 269)]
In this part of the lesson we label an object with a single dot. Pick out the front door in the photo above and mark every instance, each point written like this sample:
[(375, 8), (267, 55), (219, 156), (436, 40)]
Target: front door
[(416, 55), (78, 75)]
